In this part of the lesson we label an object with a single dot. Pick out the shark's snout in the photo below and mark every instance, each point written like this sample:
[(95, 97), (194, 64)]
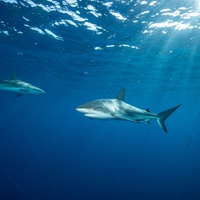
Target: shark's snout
[(82, 109), (42, 91), (38, 91)]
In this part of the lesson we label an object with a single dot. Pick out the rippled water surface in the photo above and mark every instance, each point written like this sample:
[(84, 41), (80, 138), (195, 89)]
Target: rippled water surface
[(78, 51)]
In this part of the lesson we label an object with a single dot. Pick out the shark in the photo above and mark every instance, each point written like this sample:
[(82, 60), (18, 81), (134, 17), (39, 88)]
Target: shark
[(17, 86), (118, 109)]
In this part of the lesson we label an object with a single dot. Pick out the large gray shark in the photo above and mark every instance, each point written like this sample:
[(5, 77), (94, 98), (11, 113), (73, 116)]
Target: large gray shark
[(19, 87), (118, 109)]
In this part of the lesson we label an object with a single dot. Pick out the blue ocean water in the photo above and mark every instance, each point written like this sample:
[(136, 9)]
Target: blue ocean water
[(79, 51)]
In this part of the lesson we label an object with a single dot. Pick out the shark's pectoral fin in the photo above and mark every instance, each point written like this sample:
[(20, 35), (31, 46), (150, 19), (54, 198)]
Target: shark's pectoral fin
[(124, 117), (18, 95), (147, 121), (118, 116)]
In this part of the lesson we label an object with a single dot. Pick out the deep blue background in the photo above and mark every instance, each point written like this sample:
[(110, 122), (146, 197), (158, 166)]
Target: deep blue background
[(50, 151)]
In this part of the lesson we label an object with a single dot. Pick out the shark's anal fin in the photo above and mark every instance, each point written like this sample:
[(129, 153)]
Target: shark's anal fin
[(120, 96)]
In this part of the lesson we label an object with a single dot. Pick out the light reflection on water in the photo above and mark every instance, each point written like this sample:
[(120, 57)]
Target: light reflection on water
[(152, 41), (152, 15)]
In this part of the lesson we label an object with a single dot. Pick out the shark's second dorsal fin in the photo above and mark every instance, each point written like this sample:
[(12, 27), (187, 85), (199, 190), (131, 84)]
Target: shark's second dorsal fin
[(120, 96), (14, 76)]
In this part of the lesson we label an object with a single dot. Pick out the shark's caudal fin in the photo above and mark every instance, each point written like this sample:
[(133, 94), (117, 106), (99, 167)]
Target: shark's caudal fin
[(164, 115)]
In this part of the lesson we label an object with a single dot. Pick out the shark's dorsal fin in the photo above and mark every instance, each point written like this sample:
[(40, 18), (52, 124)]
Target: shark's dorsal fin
[(147, 110), (120, 96), (14, 76)]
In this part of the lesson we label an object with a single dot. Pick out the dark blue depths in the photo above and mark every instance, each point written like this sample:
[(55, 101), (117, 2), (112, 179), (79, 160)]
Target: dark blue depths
[(50, 151)]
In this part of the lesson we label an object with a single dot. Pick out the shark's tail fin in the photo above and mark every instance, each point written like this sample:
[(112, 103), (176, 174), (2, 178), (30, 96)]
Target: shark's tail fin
[(163, 116)]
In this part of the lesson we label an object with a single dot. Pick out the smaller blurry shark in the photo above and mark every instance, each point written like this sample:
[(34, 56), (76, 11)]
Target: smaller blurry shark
[(19, 87), (118, 109)]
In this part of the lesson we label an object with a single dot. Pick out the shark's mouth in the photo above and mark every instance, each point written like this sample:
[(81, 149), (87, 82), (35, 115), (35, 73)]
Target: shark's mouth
[(91, 113), (24, 90)]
